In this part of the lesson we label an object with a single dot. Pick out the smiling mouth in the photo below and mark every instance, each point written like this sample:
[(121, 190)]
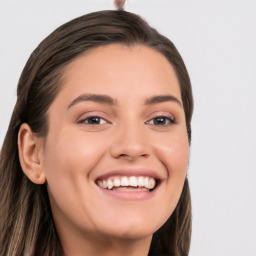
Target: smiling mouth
[(128, 184)]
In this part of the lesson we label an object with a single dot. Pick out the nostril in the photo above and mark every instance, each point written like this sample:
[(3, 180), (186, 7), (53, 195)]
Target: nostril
[(132, 157), (129, 149)]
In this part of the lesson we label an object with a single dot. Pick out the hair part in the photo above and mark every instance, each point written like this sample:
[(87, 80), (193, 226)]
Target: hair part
[(26, 221)]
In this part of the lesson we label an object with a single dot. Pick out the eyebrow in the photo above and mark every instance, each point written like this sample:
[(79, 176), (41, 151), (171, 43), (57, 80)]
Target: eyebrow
[(161, 99), (99, 98), (105, 99)]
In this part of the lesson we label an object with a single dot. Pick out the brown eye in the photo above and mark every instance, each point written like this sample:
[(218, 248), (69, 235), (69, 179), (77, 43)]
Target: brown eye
[(161, 120), (93, 120)]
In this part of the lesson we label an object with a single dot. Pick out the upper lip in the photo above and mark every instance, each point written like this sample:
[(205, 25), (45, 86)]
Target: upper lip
[(131, 172)]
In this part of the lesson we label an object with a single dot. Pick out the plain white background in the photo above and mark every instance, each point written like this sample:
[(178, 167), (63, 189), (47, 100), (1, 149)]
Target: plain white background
[(217, 40)]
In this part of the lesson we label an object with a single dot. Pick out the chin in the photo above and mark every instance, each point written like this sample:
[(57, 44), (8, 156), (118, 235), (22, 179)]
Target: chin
[(133, 229)]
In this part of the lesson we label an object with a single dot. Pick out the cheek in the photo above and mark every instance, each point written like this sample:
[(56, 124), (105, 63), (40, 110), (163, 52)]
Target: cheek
[(69, 159), (174, 153), (175, 156), (73, 153)]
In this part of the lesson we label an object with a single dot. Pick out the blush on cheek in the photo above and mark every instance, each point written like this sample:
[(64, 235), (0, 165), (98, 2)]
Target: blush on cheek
[(175, 156)]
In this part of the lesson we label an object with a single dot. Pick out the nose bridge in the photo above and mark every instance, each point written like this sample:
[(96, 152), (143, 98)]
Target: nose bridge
[(130, 141)]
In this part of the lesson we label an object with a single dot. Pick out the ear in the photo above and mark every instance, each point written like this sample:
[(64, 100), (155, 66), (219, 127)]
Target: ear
[(31, 154)]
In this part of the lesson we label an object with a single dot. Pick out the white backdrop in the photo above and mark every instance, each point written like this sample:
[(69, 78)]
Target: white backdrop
[(217, 40)]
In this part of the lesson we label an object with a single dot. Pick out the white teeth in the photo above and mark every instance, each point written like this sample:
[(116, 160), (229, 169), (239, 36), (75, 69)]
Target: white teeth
[(151, 183), (110, 184), (100, 183), (146, 182), (124, 182), (133, 181), (141, 181), (104, 184), (117, 182)]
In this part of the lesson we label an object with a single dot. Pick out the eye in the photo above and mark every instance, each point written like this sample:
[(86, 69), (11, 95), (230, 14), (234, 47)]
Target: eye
[(93, 120), (161, 120)]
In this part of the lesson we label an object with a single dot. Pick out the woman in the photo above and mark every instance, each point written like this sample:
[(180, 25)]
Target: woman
[(102, 121)]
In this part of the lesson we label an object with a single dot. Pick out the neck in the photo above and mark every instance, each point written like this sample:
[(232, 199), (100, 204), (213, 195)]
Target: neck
[(110, 246)]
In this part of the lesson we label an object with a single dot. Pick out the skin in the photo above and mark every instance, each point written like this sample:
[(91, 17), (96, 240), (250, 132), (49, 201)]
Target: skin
[(128, 137)]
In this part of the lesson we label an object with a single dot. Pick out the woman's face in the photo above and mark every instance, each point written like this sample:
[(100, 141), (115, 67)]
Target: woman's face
[(116, 154)]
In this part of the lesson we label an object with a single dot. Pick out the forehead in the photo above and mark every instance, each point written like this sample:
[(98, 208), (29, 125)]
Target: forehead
[(120, 69)]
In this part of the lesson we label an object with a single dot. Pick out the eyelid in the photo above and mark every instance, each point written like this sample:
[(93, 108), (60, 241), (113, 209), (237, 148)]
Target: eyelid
[(82, 121), (90, 114), (167, 116)]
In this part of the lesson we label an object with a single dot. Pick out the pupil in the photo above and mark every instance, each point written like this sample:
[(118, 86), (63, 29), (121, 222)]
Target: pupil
[(94, 120), (159, 120)]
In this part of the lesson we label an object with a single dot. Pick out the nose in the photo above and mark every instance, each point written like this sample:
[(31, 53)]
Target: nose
[(130, 143)]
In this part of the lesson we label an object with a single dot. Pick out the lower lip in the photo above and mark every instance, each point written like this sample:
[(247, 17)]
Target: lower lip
[(129, 195)]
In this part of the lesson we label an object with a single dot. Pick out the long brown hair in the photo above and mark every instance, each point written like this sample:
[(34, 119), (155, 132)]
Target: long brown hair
[(26, 223)]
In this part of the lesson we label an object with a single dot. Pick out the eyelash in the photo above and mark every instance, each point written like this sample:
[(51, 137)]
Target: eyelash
[(168, 119), (87, 120)]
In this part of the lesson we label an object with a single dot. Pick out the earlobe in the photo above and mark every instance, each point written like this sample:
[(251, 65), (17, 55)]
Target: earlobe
[(30, 155)]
